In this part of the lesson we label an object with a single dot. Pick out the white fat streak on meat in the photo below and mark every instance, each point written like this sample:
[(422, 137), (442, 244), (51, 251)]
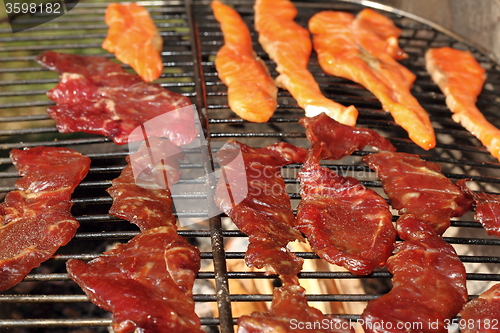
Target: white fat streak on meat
[(65, 77), (424, 171), (184, 278), (108, 103), (36, 189)]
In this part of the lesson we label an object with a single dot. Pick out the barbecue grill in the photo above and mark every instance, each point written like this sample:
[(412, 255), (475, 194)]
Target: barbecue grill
[(48, 301)]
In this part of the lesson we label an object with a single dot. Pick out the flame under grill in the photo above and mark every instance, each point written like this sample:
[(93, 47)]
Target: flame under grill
[(48, 301)]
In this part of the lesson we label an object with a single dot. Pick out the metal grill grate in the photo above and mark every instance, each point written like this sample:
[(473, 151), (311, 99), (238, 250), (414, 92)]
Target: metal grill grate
[(47, 301)]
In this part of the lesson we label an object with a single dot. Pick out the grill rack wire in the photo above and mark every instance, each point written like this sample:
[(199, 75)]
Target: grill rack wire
[(44, 301)]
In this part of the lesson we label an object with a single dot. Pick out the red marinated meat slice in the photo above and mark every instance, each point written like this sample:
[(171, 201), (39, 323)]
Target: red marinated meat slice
[(144, 198), (429, 284), (262, 210), (418, 187), (482, 315), (35, 220), (97, 96), (290, 313), (487, 209), (345, 223), (341, 140), (146, 283)]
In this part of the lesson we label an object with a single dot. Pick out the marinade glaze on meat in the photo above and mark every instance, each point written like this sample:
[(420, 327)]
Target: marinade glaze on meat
[(418, 187), (97, 96), (265, 214), (345, 223), (146, 283), (482, 315), (341, 140), (487, 208), (35, 219), (290, 313), (144, 199), (429, 284)]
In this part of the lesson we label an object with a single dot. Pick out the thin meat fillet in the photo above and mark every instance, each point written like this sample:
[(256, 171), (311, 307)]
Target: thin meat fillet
[(290, 313), (429, 284), (341, 140), (134, 39), (482, 315), (345, 223), (461, 79), (97, 96), (418, 187), (144, 198), (347, 48), (384, 28), (289, 46), (146, 283), (252, 92), (35, 219), (487, 208), (253, 194)]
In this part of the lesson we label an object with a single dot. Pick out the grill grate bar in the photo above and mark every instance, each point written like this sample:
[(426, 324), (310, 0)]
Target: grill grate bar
[(20, 145), (25, 82), (65, 46), (216, 232), (197, 298), (76, 37), (231, 275), (44, 323), (25, 104), (88, 22), (37, 130)]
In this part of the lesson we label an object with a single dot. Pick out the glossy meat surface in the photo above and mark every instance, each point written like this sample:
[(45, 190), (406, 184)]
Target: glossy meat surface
[(384, 28), (482, 315), (418, 187), (254, 196), (461, 79), (348, 49), (487, 210), (252, 92), (345, 223), (97, 96), (341, 140), (289, 46), (144, 198), (290, 313), (146, 283), (134, 39), (35, 219), (429, 284)]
